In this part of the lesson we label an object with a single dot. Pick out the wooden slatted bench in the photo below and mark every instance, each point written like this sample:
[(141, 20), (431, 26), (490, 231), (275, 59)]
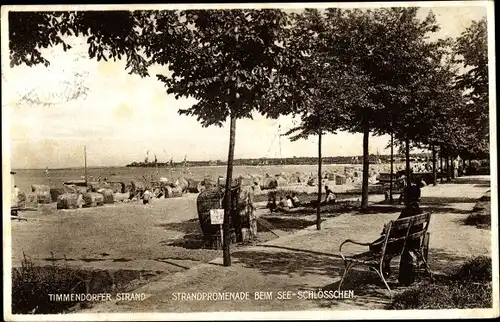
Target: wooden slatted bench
[(397, 233)]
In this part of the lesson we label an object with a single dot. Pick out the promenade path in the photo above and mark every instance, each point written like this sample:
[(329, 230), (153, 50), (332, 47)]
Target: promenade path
[(309, 260)]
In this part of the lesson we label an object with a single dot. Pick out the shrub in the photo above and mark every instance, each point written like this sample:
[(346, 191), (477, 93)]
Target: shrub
[(31, 286), (477, 269)]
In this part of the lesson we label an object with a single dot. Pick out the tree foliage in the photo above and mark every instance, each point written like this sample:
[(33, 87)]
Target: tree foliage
[(472, 50), (227, 60), (109, 35), (325, 90)]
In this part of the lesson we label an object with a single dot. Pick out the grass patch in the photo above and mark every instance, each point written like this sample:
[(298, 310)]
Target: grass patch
[(469, 287), (32, 284)]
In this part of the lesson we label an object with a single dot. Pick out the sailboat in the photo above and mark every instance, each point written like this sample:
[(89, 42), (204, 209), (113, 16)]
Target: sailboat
[(84, 182)]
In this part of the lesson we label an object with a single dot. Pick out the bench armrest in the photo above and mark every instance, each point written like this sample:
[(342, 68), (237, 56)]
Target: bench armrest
[(352, 242)]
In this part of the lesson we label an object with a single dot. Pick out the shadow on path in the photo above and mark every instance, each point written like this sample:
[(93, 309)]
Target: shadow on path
[(300, 250), (188, 227), (426, 207), (441, 200), (469, 180), (188, 241), (288, 262), (445, 262), (288, 223)]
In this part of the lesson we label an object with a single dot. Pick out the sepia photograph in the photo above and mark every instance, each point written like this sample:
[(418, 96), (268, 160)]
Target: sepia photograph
[(249, 161)]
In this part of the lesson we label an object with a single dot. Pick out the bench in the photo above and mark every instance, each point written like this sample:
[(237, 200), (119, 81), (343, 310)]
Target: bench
[(397, 233)]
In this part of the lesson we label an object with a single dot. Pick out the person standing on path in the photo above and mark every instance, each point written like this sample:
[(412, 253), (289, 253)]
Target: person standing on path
[(250, 209), (15, 200)]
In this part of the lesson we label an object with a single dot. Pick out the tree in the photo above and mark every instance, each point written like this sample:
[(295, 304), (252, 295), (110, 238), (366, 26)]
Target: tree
[(348, 41), (400, 61), (324, 88), (389, 46), (472, 54), (229, 60)]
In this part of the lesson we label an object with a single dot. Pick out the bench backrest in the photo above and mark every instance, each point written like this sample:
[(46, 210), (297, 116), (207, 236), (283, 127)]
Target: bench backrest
[(399, 231)]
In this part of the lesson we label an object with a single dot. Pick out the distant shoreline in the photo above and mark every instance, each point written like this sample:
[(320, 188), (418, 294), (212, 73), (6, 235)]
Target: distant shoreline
[(256, 162), (295, 161), (195, 166)]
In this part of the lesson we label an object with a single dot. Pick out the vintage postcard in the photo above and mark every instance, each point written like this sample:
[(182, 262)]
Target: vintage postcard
[(249, 161)]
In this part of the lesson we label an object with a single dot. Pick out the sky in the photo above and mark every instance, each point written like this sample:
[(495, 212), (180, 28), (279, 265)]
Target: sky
[(119, 117)]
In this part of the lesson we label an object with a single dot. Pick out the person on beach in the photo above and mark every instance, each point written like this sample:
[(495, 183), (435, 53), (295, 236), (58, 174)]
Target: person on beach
[(330, 197), (271, 202), (146, 196), (283, 205), (295, 200), (289, 202)]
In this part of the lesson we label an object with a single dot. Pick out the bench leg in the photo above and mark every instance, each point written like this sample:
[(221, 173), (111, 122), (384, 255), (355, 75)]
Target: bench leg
[(424, 253), (426, 264), (348, 266), (383, 280)]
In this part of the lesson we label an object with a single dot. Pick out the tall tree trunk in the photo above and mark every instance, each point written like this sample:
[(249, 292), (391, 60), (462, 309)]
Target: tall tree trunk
[(408, 173), (392, 167), (227, 198), (441, 166), (366, 163), (318, 207), (434, 172), (452, 167), (448, 169)]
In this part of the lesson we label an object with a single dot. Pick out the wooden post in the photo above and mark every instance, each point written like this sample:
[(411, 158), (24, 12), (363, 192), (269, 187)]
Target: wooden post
[(318, 207)]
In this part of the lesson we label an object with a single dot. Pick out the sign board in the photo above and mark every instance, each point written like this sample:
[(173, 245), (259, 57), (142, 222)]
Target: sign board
[(216, 216)]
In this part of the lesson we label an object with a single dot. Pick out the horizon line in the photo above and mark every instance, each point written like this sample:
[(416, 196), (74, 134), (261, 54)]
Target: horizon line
[(218, 160)]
